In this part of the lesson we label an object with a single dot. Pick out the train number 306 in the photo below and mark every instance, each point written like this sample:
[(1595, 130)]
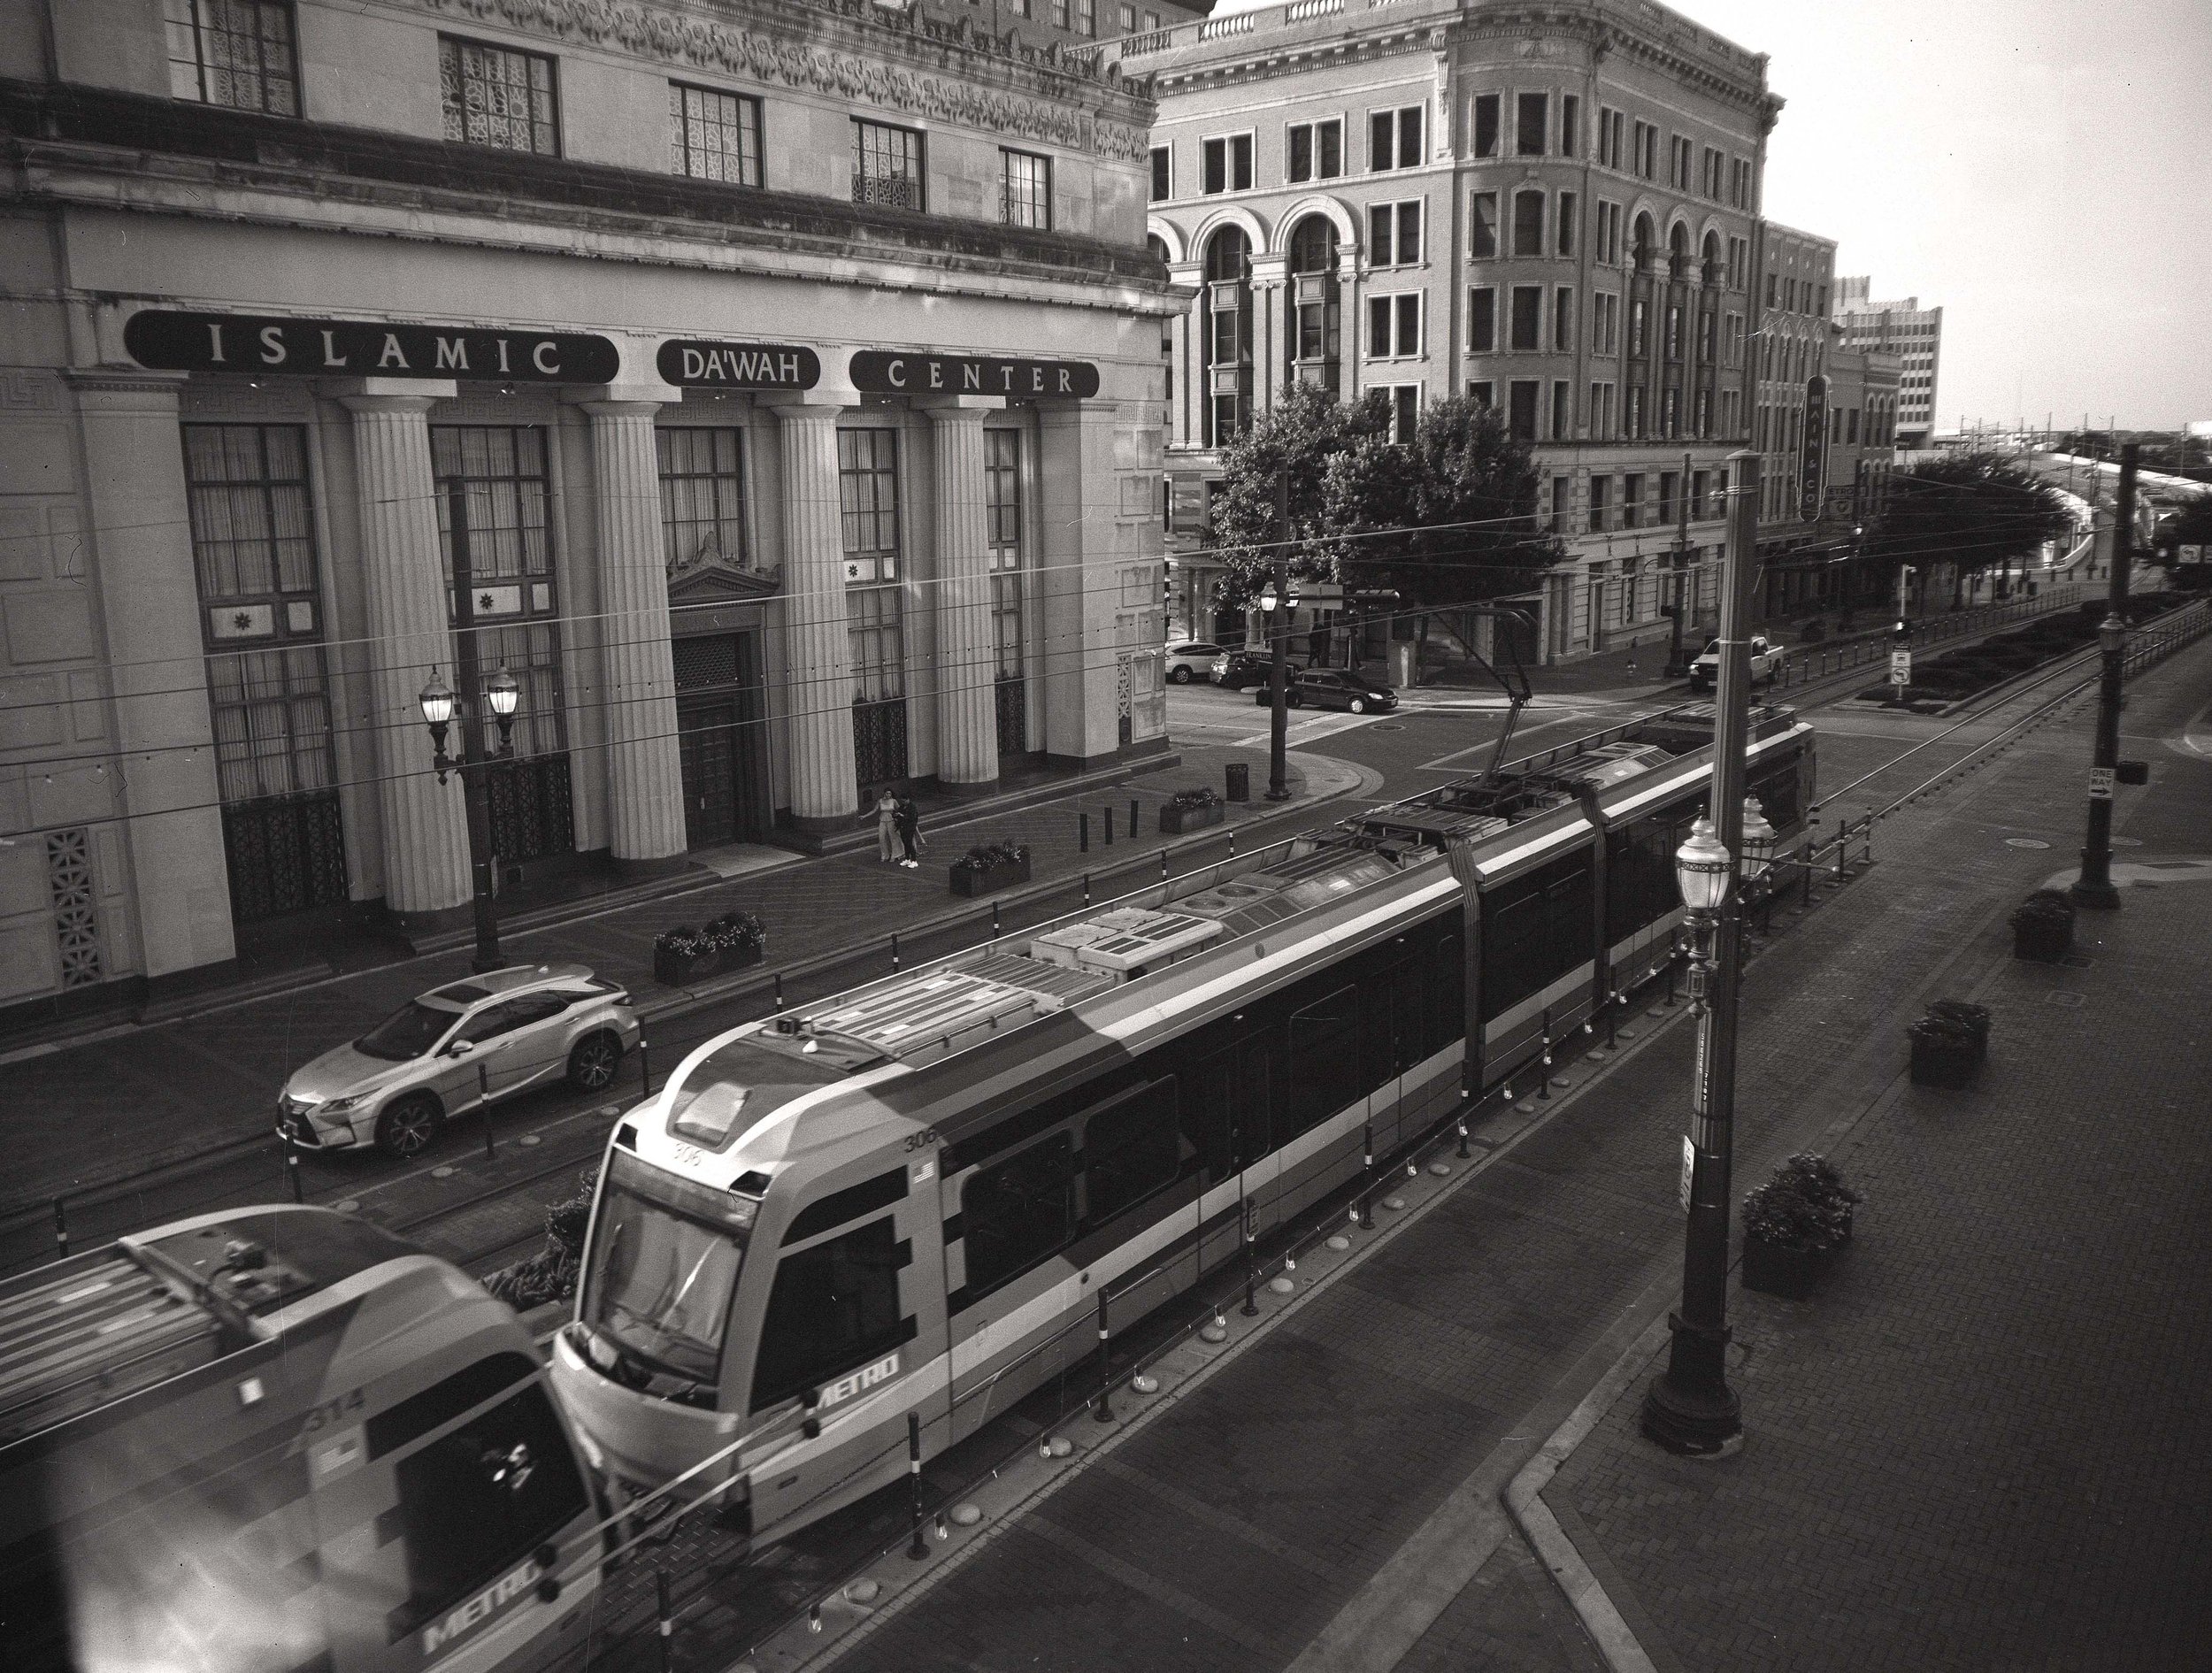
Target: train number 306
[(921, 1140)]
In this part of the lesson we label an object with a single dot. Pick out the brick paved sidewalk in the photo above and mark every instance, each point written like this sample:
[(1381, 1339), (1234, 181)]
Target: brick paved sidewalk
[(1934, 1441), (136, 1097)]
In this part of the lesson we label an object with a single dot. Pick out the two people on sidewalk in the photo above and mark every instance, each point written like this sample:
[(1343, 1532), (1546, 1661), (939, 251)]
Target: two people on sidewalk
[(897, 815)]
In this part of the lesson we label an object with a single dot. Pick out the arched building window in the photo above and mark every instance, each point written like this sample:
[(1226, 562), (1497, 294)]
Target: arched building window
[(1643, 244), (1228, 306), (1316, 312)]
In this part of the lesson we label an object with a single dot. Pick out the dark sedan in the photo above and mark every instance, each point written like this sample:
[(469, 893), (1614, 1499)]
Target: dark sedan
[(1338, 688), (1235, 670)]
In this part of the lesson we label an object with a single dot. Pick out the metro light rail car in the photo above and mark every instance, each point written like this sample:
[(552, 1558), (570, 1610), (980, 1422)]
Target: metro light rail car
[(275, 1440), (909, 1198)]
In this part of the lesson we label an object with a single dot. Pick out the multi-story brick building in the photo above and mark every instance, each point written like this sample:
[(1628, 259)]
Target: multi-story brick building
[(1554, 207), (1912, 333), (778, 379)]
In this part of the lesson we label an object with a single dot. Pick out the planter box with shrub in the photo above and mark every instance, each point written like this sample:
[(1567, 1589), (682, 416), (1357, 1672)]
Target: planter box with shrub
[(1188, 810), (731, 942), (2043, 927), (990, 867), (1943, 1054), (1793, 1223)]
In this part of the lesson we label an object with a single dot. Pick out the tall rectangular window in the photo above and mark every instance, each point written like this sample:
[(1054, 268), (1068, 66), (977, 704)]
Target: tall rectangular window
[(1482, 226), (1525, 331), (1632, 499), (497, 97), (1669, 483), (1601, 412), (1405, 410), (1562, 410), (1482, 320), (1522, 396), (1646, 151), (1563, 243), (1528, 222), (1570, 125), (887, 167), (1609, 234), (1600, 495), (1532, 117), (1394, 325), (702, 496), (1562, 499), (1485, 125), (1025, 189), (1003, 510), (1225, 164), (235, 53), (713, 135), (868, 496), (1086, 17), (1125, 19), (1162, 173), (1317, 151), (1393, 138), (1394, 235), (1609, 128), (1563, 318)]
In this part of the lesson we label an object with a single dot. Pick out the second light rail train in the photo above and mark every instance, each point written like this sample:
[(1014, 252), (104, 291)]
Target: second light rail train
[(909, 1198)]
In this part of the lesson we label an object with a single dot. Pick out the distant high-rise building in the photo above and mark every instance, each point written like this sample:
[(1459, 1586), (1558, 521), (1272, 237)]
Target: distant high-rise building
[(1912, 333)]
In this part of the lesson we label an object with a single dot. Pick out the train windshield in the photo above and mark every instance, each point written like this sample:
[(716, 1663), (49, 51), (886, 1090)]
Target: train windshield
[(664, 1264)]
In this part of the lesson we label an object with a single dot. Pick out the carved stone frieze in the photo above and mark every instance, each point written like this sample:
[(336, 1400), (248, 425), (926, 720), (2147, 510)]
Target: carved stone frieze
[(731, 49)]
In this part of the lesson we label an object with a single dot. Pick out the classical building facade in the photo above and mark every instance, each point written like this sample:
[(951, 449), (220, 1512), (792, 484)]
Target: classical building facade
[(1552, 207), (1905, 329), (770, 387)]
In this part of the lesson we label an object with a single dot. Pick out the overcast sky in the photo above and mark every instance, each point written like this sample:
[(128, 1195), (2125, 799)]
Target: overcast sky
[(2040, 168)]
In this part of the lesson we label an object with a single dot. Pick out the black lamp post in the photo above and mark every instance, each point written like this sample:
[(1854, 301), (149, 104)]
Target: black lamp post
[(2094, 887), (502, 694), (1276, 595)]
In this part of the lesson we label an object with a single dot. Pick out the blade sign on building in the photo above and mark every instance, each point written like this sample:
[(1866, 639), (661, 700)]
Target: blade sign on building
[(874, 371), (1816, 447), (171, 340), (690, 364)]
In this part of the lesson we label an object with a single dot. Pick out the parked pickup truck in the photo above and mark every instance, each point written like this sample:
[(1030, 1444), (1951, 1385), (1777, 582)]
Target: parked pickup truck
[(1766, 664)]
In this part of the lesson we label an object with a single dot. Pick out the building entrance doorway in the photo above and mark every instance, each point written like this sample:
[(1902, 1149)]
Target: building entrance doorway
[(720, 746)]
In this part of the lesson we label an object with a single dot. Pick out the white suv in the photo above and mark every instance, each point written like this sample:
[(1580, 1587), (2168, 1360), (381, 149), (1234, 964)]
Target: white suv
[(1192, 659), (471, 1042)]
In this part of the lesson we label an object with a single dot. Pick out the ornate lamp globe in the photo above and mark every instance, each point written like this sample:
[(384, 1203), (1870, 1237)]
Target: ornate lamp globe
[(1758, 841), (1269, 599), (502, 691), (1700, 868), (436, 699)]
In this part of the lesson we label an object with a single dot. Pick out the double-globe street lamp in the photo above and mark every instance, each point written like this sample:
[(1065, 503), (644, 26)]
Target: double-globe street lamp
[(503, 693)]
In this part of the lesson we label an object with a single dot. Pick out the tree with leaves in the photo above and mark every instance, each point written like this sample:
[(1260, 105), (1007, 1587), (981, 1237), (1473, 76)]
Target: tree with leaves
[(1445, 520), (1975, 511)]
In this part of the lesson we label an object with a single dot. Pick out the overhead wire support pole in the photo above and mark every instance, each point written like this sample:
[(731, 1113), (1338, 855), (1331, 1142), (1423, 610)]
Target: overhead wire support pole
[(1277, 652), (2094, 887)]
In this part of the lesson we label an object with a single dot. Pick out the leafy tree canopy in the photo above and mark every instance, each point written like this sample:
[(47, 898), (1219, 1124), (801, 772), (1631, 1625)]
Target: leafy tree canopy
[(1447, 519), (1976, 510)]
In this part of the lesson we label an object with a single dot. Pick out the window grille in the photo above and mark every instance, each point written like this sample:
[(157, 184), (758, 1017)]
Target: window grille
[(703, 496), (235, 53), (1024, 189), (496, 97), (887, 165), (713, 136)]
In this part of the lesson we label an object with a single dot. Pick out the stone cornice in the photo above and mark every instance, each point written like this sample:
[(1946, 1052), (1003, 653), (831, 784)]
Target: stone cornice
[(1002, 85)]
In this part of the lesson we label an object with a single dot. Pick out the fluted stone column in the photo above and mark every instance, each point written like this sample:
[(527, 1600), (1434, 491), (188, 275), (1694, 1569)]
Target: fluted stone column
[(425, 824), (967, 654), (818, 647), (645, 813)]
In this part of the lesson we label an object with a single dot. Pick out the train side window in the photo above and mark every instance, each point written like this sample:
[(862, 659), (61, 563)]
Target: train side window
[(1324, 1067), (1512, 933), (1391, 1039), (481, 1498), (1224, 1108), (1018, 1211), (834, 1306), (1131, 1149), (1447, 991), (1777, 794)]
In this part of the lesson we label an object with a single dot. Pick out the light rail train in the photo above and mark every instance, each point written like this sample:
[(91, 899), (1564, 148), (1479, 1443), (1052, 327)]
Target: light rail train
[(909, 1198), (277, 1439)]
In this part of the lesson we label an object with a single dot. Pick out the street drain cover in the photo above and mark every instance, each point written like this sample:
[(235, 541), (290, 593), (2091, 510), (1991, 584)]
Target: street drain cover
[(2065, 1001), (1389, 726), (2026, 842)]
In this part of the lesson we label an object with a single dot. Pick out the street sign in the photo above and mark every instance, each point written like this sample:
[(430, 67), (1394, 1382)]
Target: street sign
[(1319, 595), (2101, 784), (1900, 668), (1689, 1167), (2192, 554)]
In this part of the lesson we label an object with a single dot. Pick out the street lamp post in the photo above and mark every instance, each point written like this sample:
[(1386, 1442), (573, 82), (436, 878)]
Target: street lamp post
[(1276, 595), (502, 693), (2095, 886), (1690, 1407)]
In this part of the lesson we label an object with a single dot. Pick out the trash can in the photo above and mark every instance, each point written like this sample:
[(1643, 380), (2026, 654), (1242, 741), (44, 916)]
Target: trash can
[(1973, 1018), (1240, 775)]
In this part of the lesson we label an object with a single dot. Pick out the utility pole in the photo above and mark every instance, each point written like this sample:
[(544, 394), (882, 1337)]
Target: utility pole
[(1677, 665), (1690, 1409), (1277, 654), (2095, 886)]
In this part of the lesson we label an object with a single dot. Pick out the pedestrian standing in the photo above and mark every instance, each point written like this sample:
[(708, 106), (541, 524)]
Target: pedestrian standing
[(908, 818), (887, 826)]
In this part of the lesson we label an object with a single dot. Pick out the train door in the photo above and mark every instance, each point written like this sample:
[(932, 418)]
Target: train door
[(843, 1335), (1227, 1106)]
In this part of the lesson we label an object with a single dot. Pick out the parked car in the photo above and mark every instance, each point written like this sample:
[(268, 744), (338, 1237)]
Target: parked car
[(470, 1042), (1766, 664), (1193, 659), (1235, 670), (1337, 689)]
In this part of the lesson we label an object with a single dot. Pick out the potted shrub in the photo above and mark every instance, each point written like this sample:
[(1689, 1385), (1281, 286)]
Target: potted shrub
[(2043, 927), (1790, 1222), (738, 938), (990, 866), (1973, 1018), (681, 956), (1191, 811), (1943, 1053)]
